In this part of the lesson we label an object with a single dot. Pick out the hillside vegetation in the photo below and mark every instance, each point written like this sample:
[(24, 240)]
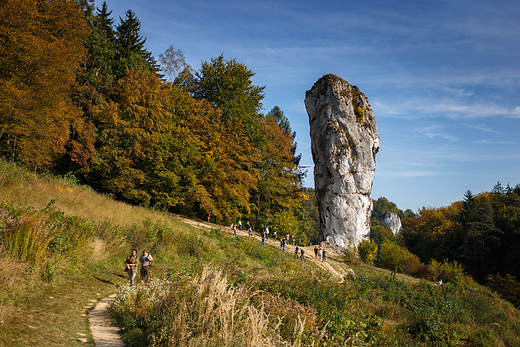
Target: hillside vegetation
[(63, 248)]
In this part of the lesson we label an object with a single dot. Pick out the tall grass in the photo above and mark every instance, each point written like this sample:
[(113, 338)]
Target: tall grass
[(28, 235), (199, 311)]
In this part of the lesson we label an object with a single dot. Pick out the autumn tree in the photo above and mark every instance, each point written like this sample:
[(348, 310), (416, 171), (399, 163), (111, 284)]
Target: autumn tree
[(279, 192), (40, 53)]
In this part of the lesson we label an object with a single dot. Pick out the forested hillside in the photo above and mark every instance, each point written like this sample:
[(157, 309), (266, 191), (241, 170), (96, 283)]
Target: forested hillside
[(81, 96)]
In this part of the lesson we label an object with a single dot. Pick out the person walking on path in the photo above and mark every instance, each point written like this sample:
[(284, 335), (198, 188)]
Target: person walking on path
[(324, 257), (209, 217), (274, 235), (287, 237), (282, 244), (131, 266), (249, 232), (296, 249), (145, 260), (263, 238), (267, 232), (240, 225), (293, 241), (302, 254), (319, 253), (316, 252)]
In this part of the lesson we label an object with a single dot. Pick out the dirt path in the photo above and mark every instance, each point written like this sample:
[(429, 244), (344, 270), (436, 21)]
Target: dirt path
[(309, 250), (105, 334)]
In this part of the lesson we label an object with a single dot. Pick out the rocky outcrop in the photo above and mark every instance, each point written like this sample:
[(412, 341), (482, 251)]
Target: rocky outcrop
[(392, 220), (344, 142)]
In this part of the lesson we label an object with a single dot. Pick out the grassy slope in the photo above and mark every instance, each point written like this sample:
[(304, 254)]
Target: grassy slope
[(38, 313)]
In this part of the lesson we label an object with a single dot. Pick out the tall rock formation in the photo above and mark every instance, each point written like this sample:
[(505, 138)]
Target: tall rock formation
[(392, 220), (344, 143)]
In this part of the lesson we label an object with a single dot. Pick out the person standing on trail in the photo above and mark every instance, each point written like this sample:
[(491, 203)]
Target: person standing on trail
[(209, 217), (287, 237), (282, 244), (263, 238), (324, 257), (319, 253), (302, 254), (131, 266), (296, 249), (145, 260), (316, 252), (293, 241), (249, 231), (267, 232), (240, 225), (248, 226)]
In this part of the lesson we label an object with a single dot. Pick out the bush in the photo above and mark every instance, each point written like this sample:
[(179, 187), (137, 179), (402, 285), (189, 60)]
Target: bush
[(393, 256), (368, 251)]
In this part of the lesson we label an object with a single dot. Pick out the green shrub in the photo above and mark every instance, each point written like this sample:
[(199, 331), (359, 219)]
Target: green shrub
[(368, 251)]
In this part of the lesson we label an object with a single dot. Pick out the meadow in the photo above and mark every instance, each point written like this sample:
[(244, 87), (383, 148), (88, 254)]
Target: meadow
[(62, 248)]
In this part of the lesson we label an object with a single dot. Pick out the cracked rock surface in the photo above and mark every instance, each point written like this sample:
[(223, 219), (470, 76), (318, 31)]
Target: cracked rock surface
[(344, 143)]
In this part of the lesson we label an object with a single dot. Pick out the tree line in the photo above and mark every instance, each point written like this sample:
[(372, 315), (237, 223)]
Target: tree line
[(82, 96)]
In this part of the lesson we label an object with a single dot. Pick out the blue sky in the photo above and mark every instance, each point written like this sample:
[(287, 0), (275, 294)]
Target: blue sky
[(443, 77)]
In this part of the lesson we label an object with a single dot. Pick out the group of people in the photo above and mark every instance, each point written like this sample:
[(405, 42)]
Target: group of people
[(320, 253), (131, 265)]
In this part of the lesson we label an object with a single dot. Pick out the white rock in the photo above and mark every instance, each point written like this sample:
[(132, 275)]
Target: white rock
[(344, 142)]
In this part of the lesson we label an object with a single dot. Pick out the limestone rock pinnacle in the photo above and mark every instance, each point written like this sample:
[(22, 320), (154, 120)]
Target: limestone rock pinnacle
[(344, 143)]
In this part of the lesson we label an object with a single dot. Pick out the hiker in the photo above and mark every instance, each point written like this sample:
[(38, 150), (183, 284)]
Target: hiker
[(274, 235), (249, 232), (263, 238), (324, 257), (315, 251), (282, 244), (319, 253), (296, 252), (131, 266), (240, 225), (302, 254), (248, 226), (209, 217), (267, 232), (293, 241), (145, 260), (287, 237), (234, 228)]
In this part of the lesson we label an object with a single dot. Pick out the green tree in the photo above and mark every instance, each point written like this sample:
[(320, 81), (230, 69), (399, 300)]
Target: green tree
[(101, 45), (131, 53), (482, 238), (227, 85)]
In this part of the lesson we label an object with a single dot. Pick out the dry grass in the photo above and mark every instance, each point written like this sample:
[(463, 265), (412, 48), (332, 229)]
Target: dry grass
[(204, 311)]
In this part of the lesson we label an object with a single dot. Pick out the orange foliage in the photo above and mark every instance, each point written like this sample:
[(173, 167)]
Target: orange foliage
[(40, 53)]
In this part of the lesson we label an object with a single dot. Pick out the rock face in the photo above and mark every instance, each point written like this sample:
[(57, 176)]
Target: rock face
[(344, 142), (392, 220)]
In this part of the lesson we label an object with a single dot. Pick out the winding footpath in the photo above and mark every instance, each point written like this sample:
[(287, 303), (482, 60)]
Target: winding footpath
[(106, 334)]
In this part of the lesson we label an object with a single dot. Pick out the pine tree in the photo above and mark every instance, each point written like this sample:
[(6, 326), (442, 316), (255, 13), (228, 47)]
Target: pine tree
[(131, 53), (101, 45)]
